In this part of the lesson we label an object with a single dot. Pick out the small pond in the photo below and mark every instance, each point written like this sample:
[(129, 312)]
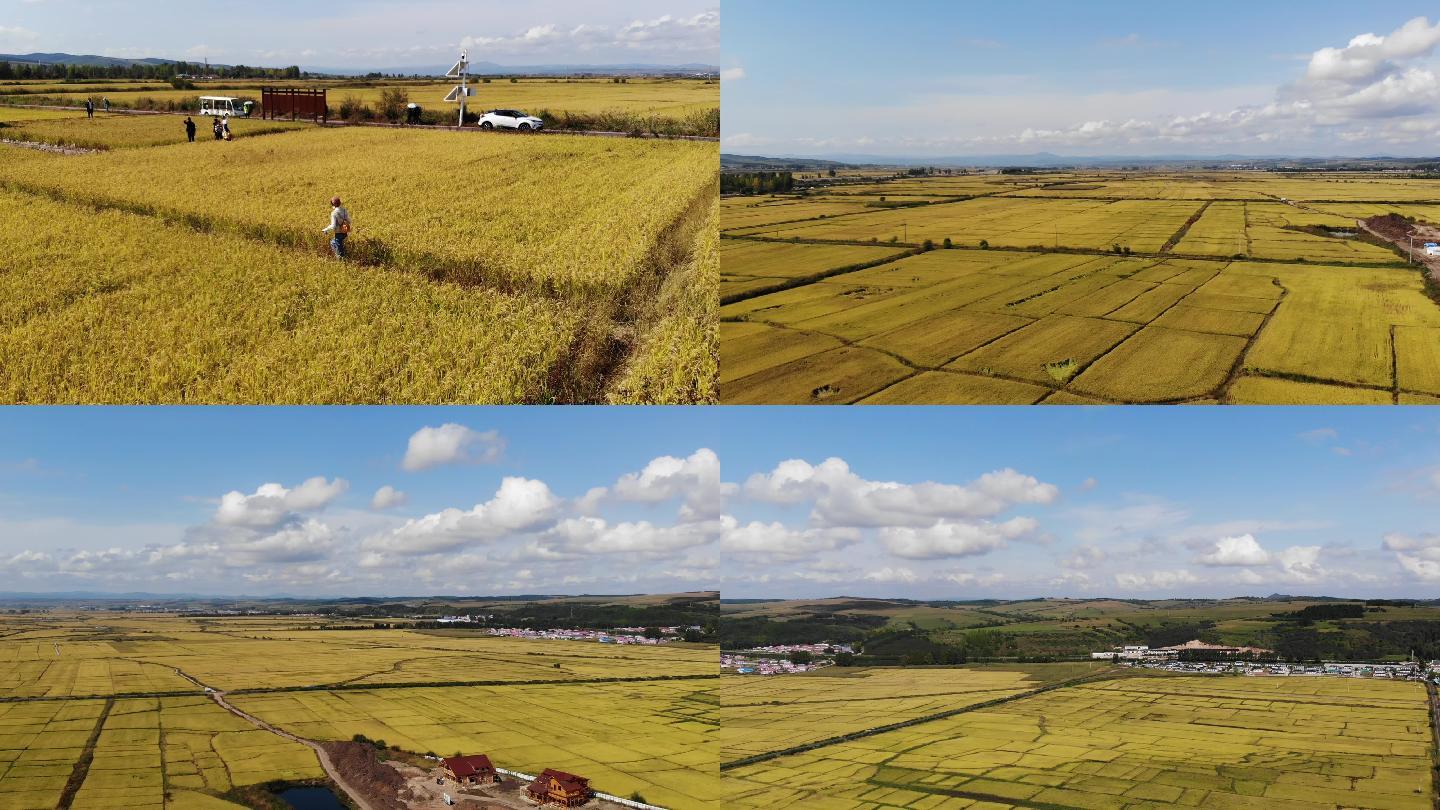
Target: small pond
[(311, 798)]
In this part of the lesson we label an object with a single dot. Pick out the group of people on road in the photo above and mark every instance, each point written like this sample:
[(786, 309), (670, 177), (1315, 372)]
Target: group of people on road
[(90, 107)]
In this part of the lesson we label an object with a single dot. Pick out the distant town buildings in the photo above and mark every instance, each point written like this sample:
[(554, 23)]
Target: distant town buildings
[(776, 659), (1140, 652), (633, 636)]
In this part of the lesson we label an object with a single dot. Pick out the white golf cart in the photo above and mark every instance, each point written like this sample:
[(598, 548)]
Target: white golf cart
[(225, 106)]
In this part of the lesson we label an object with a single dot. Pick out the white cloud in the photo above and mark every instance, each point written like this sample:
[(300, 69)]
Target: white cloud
[(1240, 550), (1301, 563), (388, 497), (695, 479), (954, 539), (18, 35), (592, 535), (1155, 580), (781, 541), (842, 498), (1419, 555), (1368, 57), (1086, 556), (520, 505), (734, 74), (452, 444), (273, 504), (667, 34)]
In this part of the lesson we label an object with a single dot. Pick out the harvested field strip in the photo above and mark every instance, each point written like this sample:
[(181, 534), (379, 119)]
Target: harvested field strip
[(82, 765)]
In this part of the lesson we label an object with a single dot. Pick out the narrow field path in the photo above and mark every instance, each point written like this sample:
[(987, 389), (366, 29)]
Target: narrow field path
[(330, 769), (82, 765)]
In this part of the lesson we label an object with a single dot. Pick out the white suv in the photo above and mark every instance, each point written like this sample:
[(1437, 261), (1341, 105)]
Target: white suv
[(510, 119)]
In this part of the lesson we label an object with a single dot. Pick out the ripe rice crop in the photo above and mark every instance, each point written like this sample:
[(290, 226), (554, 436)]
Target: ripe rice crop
[(1065, 317), (464, 208), (163, 314), (650, 738), (124, 131), (1232, 742)]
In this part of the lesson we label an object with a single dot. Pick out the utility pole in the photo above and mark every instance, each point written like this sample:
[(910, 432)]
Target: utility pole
[(460, 92)]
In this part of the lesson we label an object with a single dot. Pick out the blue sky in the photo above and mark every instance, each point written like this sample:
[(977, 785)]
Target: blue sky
[(120, 499), (369, 33), (924, 502), (932, 77)]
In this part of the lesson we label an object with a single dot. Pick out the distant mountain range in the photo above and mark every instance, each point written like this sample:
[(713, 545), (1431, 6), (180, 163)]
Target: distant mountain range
[(476, 68), (1047, 160), (86, 60)]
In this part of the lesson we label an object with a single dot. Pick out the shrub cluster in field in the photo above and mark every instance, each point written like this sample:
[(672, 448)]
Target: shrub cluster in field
[(154, 313)]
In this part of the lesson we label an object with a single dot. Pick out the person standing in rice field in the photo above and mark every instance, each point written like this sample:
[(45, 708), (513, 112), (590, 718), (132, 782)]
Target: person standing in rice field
[(215, 125), (107, 104), (189, 129), (89, 108), (339, 226)]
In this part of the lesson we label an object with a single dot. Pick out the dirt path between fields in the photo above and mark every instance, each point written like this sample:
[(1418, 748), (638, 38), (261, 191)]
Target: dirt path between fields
[(330, 770), (1423, 233), (361, 801)]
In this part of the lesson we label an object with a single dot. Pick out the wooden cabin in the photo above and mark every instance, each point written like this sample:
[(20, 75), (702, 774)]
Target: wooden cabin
[(560, 789), (471, 770)]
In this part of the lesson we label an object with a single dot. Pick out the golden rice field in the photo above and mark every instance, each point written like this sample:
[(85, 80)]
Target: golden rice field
[(568, 269), (553, 704), (141, 655), (1232, 742), (670, 97), (651, 738), (151, 747), (758, 715), (117, 131), (1234, 297), (39, 746)]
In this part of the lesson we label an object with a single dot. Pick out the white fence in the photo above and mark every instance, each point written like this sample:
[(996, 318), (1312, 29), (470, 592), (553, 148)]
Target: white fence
[(605, 796)]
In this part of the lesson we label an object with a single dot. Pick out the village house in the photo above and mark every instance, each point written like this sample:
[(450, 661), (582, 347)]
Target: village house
[(559, 788), (471, 770)]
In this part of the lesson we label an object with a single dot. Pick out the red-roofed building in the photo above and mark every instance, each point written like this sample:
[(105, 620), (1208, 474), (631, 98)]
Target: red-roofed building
[(560, 788), (471, 770)]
